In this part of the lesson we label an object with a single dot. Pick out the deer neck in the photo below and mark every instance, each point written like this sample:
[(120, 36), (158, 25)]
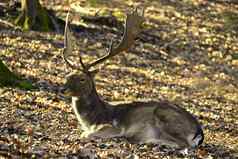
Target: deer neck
[(91, 100), (94, 109)]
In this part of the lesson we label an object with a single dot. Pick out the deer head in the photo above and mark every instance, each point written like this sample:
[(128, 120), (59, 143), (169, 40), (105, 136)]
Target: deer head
[(82, 81)]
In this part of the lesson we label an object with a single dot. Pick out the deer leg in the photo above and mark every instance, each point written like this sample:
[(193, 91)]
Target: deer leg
[(106, 132)]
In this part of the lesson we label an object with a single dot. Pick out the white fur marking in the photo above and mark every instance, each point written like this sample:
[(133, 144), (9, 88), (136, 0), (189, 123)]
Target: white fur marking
[(114, 123)]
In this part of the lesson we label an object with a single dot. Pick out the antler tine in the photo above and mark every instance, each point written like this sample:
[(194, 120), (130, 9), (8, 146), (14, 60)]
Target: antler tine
[(131, 29), (68, 47)]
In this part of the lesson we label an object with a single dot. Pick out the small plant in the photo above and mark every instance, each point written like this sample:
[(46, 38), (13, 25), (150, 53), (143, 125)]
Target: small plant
[(93, 3), (230, 21)]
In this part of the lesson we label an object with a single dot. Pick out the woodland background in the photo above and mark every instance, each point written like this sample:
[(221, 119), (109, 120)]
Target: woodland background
[(187, 54)]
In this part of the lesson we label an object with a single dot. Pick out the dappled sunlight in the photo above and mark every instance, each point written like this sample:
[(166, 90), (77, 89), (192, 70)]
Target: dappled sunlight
[(186, 54)]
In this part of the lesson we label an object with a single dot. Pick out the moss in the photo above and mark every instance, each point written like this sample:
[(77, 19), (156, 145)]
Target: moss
[(27, 25), (43, 19), (19, 19), (8, 78), (230, 20), (41, 22), (93, 3)]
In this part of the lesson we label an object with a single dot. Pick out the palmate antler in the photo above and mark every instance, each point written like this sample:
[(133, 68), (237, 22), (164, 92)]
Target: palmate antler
[(132, 28), (68, 47)]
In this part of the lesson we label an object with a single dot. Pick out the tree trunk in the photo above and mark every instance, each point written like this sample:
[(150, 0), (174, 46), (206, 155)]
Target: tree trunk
[(34, 17)]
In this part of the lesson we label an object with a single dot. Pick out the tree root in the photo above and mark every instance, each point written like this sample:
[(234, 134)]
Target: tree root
[(37, 18)]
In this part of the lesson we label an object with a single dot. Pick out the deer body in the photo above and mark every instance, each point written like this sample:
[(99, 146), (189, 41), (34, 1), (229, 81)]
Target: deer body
[(139, 122)]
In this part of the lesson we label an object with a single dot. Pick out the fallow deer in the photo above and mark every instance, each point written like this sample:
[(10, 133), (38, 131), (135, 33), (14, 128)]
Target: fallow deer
[(140, 122)]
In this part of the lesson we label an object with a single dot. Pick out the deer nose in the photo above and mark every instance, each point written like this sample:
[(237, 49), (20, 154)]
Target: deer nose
[(64, 90)]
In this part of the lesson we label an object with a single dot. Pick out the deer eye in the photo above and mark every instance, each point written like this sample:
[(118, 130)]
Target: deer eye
[(82, 80)]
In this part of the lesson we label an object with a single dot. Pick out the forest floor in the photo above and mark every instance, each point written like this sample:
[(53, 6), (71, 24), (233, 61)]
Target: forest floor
[(187, 54)]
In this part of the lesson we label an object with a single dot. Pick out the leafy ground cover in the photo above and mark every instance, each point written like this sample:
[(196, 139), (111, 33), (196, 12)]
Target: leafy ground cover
[(187, 54)]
